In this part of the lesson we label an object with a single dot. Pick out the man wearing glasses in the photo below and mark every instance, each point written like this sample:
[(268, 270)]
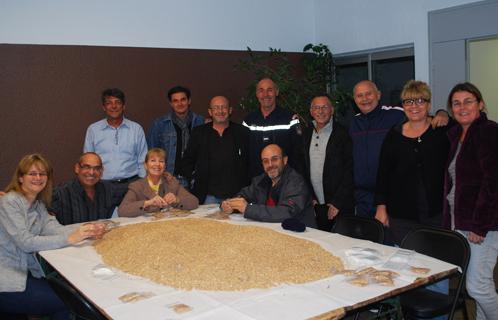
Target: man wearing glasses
[(216, 155), (329, 163), (85, 198), (279, 194)]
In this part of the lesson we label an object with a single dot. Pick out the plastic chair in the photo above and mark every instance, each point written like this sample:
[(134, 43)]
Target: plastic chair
[(359, 228), (79, 307), (445, 245)]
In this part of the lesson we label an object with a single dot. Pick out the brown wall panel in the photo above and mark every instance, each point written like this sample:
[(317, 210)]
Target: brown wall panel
[(50, 94)]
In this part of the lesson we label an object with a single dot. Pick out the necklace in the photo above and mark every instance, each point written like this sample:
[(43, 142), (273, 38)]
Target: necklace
[(419, 139)]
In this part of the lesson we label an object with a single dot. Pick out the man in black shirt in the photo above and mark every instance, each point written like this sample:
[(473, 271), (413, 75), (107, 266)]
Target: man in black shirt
[(85, 198), (216, 155)]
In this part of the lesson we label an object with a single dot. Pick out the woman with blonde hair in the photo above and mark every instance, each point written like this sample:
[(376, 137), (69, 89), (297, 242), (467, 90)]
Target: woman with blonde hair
[(25, 228), (409, 191), (158, 190)]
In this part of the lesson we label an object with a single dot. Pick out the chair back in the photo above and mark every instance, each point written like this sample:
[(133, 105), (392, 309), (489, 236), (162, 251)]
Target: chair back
[(446, 245), (359, 228), (80, 307)]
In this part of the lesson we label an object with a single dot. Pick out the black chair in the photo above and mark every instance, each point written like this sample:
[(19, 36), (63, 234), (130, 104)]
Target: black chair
[(9, 316), (445, 245), (359, 228), (78, 306), (365, 229)]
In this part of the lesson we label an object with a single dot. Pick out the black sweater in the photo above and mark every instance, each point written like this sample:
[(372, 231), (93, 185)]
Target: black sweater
[(410, 179)]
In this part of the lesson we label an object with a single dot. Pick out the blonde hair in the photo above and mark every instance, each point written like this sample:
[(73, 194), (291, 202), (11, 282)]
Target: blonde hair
[(23, 167), (155, 152), (416, 89)]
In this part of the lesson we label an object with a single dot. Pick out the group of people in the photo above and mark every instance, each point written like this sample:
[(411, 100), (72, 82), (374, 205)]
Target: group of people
[(398, 165)]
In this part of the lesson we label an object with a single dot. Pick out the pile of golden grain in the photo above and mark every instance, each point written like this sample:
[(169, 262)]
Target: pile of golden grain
[(211, 255)]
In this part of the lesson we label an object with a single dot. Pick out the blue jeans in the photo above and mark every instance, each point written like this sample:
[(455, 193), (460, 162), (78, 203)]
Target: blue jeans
[(480, 283), (37, 299), (210, 199)]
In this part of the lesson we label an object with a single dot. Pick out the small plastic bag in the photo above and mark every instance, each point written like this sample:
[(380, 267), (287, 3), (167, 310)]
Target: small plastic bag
[(103, 272), (362, 257), (399, 260), (135, 296)]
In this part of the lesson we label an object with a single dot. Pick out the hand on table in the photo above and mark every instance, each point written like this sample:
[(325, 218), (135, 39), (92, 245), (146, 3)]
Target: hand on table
[(230, 205), (87, 230), (157, 201), (171, 199)]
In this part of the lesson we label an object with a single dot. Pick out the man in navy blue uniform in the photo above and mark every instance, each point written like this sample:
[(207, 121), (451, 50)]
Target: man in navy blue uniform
[(272, 124)]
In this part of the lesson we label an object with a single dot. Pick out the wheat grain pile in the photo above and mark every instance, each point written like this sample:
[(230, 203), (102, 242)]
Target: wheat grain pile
[(211, 255)]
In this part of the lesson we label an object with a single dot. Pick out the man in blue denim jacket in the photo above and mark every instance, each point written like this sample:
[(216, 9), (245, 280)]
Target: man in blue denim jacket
[(171, 132)]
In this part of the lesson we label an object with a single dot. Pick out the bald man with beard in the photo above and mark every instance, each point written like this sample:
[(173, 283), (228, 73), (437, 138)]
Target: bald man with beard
[(278, 194)]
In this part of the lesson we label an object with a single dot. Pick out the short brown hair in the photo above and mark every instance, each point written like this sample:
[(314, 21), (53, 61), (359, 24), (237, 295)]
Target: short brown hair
[(467, 87), (23, 167)]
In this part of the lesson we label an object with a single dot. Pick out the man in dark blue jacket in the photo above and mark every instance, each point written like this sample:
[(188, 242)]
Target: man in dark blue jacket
[(368, 130), (272, 124)]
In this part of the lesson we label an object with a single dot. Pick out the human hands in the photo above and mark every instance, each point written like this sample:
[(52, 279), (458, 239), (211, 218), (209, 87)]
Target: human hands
[(475, 238), (171, 198), (2, 193), (440, 119), (225, 206), (157, 201), (381, 215), (85, 231), (237, 203), (333, 211)]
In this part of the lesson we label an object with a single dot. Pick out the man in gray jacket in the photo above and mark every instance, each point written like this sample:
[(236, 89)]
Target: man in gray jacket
[(276, 195)]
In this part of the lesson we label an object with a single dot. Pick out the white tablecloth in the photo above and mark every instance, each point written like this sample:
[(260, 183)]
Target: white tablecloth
[(77, 265)]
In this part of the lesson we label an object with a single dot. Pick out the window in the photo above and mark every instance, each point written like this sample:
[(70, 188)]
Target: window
[(389, 68)]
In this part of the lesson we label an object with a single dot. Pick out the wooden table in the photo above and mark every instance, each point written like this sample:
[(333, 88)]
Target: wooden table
[(328, 298)]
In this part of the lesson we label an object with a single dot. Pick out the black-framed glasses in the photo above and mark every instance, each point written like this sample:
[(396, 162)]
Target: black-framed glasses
[(417, 101)]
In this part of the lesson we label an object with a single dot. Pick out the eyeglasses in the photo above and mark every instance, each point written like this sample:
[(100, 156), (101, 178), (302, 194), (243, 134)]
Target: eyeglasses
[(417, 101), (318, 108), (219, 108), (36, 174), (465, 103), (273, 159), (88, 167)]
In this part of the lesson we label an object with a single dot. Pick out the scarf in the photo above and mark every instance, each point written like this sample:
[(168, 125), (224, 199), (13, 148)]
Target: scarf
[(184, 125)]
